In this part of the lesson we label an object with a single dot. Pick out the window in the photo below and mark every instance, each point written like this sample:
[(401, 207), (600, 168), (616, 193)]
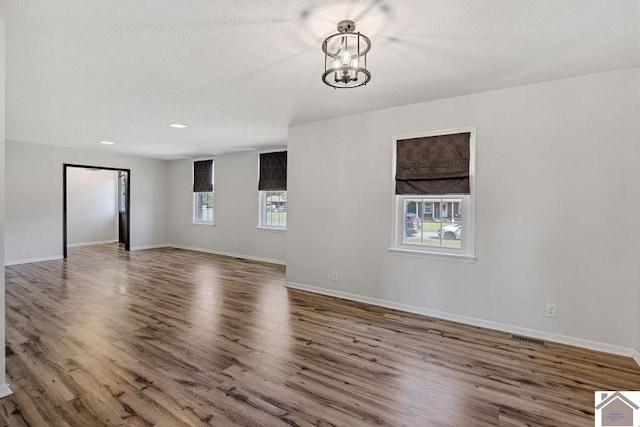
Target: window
[(203, 207), (273, 206), (434, 197), (272, 188), (203, 192), (438, 228)]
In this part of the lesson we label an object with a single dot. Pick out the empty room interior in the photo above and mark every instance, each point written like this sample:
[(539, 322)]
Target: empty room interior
[(325, 213)]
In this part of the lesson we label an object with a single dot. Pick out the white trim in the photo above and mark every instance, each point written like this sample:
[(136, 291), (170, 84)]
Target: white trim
[(141, 248), (199, 159), (30, 260), (5, 390), (534, 333), (276, 229), (272, 150), (208, 224), (468, 202), (636, 357), (442, 256), (101, 242), (229, 254)]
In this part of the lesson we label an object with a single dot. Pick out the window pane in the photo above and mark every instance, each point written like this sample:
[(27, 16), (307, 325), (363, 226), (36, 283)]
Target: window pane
[(274, 208), (435, 222), (204, 207)]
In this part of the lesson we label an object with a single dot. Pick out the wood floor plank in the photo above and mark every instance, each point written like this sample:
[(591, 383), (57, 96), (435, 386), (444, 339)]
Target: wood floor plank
[(169, 337)]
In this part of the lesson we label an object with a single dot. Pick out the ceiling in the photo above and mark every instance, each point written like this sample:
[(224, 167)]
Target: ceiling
[(238, 73)]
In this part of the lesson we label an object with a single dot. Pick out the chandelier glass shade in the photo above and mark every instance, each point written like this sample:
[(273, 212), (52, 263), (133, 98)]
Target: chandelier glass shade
[(345, 57)]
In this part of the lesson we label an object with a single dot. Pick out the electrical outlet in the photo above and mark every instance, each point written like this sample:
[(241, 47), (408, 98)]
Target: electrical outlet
[(551, 310), (334, 276)]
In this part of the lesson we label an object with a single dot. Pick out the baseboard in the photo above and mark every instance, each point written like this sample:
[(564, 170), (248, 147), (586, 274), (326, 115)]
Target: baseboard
[(636, 357), (141, 248), (5, 390), (101, 242), (229, 254), (547, 336), (29, 260)]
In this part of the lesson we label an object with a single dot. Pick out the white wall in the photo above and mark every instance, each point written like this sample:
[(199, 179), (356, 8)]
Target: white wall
[(557, 200), (33, 229), (236, 210), (92, 205)]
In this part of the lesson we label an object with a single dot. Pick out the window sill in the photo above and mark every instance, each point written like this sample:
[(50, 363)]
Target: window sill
[(442, 256), (209, 224), (276, 229)]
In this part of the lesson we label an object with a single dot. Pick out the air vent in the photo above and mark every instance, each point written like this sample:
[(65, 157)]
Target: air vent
[(527, 339)]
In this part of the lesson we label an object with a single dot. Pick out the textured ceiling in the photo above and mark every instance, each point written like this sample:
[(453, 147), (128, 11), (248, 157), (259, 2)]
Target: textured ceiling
[(240, 72)]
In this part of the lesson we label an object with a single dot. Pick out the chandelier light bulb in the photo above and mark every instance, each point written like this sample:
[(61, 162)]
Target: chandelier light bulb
[(346, 58)]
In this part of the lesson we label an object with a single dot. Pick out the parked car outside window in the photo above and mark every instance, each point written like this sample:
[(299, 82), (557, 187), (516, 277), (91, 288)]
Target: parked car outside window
[(451, 232), (412, 224)]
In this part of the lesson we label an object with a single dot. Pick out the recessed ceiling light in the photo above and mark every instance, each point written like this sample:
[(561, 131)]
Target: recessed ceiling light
[(107, 142), (177, 125)]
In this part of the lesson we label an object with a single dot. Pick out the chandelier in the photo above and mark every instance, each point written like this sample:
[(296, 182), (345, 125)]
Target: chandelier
[(345, 57)]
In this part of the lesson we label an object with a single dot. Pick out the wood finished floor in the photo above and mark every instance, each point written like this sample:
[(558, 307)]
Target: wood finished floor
[(170, 337)]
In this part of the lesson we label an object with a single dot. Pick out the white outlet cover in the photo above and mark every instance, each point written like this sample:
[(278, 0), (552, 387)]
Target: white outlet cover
[(551, 310)]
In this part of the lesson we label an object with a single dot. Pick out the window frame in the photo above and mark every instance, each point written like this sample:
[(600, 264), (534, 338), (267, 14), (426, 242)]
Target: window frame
[(468, 219), (262, 200), (194, 196)]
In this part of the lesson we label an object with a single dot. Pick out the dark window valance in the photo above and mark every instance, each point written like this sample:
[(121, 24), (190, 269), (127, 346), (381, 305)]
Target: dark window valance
[(273, 171), (433, 164), (203, 176)]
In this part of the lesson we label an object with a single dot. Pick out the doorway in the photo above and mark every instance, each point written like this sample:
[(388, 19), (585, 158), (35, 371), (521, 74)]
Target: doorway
[(123, 194)]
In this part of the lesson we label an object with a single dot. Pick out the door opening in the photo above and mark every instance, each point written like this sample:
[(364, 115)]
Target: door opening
[(124, 215)]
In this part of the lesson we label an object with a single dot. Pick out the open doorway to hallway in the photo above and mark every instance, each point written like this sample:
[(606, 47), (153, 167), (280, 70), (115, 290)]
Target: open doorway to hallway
[(95, 206)]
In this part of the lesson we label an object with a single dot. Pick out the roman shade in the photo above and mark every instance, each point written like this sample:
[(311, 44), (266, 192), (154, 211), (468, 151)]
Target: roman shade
[(433, 164), (273, 171), (203, 176)]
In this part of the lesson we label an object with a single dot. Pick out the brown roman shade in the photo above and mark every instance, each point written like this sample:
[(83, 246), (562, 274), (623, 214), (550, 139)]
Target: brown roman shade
[(273, 171), (203, 176), (433, 164)]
